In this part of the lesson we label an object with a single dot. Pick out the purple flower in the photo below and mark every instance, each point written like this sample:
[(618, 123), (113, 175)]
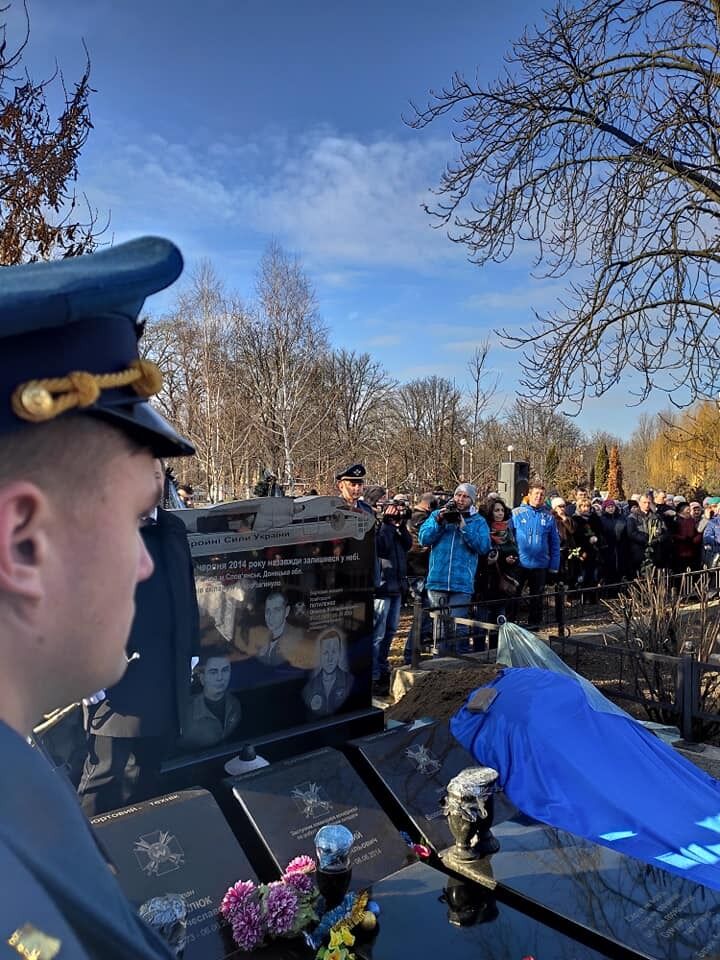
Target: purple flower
[(247, 925), (300, 864), (302, 883), (281, 907), (235, 897)]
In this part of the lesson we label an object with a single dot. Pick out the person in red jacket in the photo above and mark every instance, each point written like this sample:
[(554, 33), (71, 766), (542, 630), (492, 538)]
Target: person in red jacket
[(687, 541)]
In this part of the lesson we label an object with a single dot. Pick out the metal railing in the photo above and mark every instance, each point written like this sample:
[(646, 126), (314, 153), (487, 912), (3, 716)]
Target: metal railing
[(670, 688)]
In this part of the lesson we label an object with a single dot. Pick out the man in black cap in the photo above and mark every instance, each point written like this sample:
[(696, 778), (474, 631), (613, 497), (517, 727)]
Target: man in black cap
[(351, 483), (74, 421)]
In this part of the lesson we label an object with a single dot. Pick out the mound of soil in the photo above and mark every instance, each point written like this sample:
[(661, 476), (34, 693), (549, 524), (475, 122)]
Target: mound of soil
[(441, 693)]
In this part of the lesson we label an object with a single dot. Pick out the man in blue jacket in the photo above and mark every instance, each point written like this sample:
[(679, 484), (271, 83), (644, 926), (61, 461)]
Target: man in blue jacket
[(457, 535), (538, 544)]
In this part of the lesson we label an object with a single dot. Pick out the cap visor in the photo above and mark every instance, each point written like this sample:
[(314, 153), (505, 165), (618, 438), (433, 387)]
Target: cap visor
[(145, 424)]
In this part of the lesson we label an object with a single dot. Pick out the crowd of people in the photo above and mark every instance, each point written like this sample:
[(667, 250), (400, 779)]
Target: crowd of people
[(460, 550)]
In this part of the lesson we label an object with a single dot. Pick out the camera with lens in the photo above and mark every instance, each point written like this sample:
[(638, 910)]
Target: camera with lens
[(402, 515), (451, 514)]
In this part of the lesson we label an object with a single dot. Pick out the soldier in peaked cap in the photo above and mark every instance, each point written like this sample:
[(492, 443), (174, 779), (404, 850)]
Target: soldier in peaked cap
[(77, 440), (350, 483)]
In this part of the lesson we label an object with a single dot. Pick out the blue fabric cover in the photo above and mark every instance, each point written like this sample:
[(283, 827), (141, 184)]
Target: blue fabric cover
[(598, 775)]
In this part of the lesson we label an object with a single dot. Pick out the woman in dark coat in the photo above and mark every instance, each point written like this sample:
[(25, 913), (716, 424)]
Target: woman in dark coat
[(569, 565), (614, 543), (494, 580), (587, 531)]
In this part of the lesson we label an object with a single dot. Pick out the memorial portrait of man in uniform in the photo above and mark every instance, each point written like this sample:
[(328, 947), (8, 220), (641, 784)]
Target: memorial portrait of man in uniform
[(213, 714), (277, 643), (331, 682)]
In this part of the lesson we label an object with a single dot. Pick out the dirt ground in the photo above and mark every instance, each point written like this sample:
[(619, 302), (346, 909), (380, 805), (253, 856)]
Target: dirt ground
[(444, 691), (441, 694)]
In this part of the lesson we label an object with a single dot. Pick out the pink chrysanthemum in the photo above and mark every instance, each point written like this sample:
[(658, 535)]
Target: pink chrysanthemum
[(247, 925), (281, 907), (235, 897), (300, 864), (302, 883)]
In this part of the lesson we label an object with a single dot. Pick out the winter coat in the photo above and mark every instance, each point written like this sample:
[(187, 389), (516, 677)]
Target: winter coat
[(454, 551), (491, 579), (536, 537), (392, 544), (649, 539), (711, 541), (613, 546), (419, 557), (686, 544)]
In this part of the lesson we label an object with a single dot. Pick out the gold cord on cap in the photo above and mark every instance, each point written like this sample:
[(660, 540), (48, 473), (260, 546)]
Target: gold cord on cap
[(41, 400)]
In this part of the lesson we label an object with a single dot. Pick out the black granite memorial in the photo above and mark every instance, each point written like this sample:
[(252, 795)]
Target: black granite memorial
[(285, 594), (287, 803), (409, 770), (179, 843), (641, 908), (426, 914)]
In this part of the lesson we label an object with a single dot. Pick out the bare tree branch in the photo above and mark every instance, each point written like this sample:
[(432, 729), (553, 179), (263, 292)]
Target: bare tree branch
[(599, 146)]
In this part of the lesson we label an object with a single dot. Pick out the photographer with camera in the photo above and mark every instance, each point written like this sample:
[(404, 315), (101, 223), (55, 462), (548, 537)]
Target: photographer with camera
[(392, 543), (457, 535)]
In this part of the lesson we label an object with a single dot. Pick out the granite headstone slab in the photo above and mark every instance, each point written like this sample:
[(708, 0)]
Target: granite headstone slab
[(288, 802), (285, 594), (416, 767), (424, 912), (179, 843), (643, 907)]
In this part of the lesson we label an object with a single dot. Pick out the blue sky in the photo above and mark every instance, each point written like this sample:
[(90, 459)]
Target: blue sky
[(227, 123)]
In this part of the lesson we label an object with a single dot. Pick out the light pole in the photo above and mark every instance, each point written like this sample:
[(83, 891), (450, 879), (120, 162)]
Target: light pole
[(510, 452), (463, 444)]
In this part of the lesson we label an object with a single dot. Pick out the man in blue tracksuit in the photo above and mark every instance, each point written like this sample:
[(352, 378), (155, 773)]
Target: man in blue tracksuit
[(457, 535), (538, 544)]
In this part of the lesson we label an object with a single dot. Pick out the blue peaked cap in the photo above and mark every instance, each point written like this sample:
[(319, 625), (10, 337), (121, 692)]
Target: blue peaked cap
[(81, 314)]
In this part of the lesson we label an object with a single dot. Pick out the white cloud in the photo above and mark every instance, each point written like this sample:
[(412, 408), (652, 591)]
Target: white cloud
[(339, 199), (341, 203)]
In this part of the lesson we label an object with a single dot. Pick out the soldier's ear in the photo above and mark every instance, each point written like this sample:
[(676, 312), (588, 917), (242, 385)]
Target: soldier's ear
[(24, 543)]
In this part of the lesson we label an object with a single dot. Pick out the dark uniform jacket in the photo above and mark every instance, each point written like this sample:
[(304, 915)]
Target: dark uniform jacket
[(322, 702), (55, 882), (392, 544), (154, 694)]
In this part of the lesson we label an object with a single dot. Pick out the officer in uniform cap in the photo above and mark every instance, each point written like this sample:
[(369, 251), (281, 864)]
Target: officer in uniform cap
[(350, 483), (77, 441)]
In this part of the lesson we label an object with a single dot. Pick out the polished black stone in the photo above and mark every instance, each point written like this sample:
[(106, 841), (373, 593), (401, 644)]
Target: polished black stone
[(179, 843), (656, 913), (288, 802), (417, 921), (415, 766)]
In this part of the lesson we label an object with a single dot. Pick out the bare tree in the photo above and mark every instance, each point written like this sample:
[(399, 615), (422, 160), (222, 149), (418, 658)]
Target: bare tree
[(283, 353), (203, 393), (363, 396), (483, 387), (39, 207), (534, 428), (430, 415), (600, 145)]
